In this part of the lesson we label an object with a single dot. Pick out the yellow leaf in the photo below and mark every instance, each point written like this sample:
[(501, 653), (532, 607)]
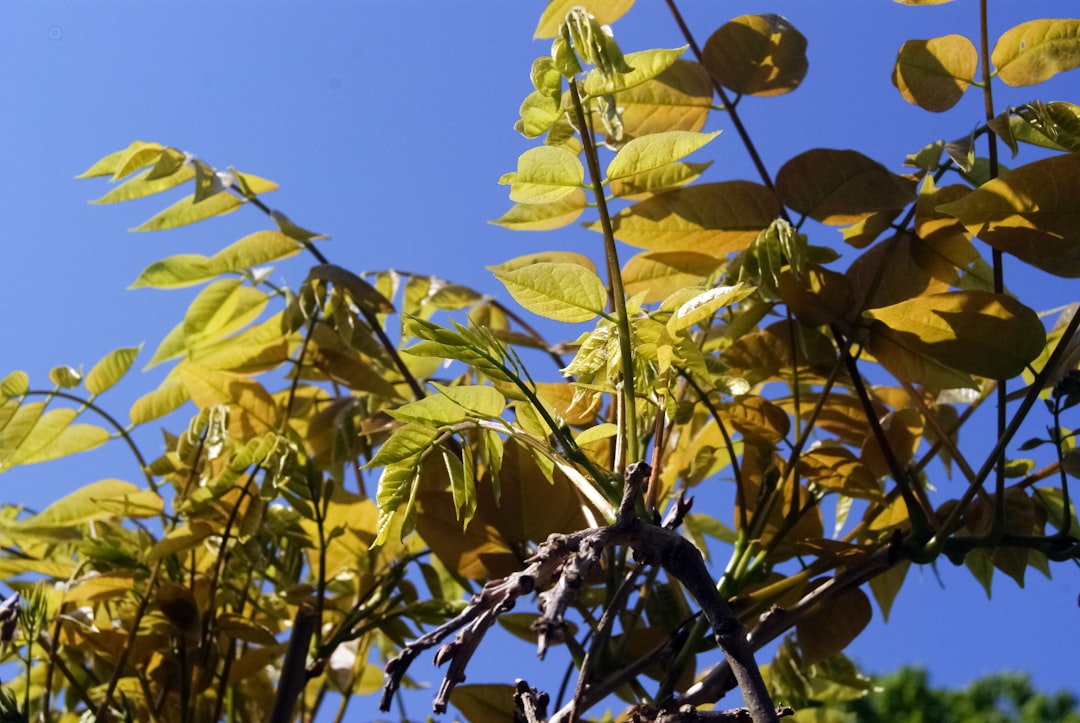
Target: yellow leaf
[(1032, 212), (605, 12), (714, 219), (252, 410), (660, 274), (933, 74), (976, 332), (1037, 50)]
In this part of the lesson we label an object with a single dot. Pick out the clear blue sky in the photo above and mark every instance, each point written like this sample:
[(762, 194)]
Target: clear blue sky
[(387, 125)]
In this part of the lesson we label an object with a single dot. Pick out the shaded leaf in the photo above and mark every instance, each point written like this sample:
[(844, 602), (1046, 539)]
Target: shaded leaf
[(761, 55), (1037, 50), (363, 294), (978, 332), (659, 274), (680, 99), (252, 410), (1032, 212), (840, 187), (933, 74), (836, 622)]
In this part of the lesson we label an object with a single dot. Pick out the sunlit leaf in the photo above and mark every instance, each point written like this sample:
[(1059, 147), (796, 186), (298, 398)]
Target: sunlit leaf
[(220, 309), (544, 216), (679, 99), (96, 501), (558, 257), (840, 187), (144, 184), (167, 398), (713, 218), (705, 304), (111, 369), (560, 291), (605, 11), (15, 384), (760, 55), (991, 335), (186, 269), (653, 151), (933, 74), (539, 112), (545, 174), (1033, 213), (406, 442), (136, 156), (1037, 50), (70, 440), (186, 211), (659, 179), (108, 165), (646, 64)]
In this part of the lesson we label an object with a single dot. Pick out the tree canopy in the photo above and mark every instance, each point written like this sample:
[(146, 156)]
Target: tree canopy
[(362, 466)]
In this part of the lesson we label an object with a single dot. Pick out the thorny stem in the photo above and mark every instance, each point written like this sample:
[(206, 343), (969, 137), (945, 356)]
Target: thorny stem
[(618, 294)]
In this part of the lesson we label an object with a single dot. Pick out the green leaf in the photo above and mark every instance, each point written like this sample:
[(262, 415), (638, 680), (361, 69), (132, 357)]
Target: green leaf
[(1037, 50), (407, 442), (291, 230), (976, 332), (17, 425), (653, 151), (481, 399), (761, 55), (560, 291), (521, 262), (839, 187), (65, 377), (712, 218), (186, 269), (646, 65), (546, 174), (544, 216), (1033, 213), (15, 384), (705, 304), (600, 431), (363, 294), (135, 157), (462, 484), (395, 484), (933, 74), (539, 112), (110, 369)]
